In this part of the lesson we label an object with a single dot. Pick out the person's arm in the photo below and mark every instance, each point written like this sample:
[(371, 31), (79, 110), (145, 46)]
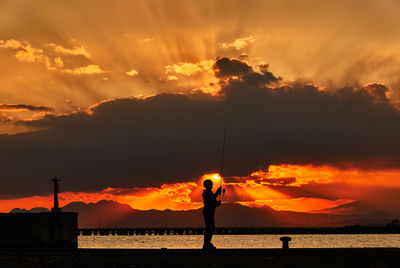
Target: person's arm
[(218, 192)]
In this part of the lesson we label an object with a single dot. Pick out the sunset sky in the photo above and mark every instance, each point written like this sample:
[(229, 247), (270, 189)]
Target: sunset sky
[(128, 100)]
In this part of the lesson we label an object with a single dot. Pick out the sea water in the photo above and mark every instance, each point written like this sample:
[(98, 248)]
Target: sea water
[(240, 241)]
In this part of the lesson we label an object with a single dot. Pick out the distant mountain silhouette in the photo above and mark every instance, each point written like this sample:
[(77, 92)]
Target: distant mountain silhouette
[(101, 214), (353, 208), (33, 210), (231, 215), (106, 213)]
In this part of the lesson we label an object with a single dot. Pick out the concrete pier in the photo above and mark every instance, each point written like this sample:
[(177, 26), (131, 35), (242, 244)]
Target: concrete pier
[(193, 258), (32, 230)]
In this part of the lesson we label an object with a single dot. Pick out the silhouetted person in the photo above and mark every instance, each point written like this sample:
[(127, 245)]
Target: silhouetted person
[(210, 203)]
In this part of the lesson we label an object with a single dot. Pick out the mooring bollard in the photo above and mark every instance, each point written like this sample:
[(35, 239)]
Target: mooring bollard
[(285, 241)]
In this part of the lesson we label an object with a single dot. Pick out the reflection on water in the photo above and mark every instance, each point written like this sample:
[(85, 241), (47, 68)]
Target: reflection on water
[(241, 241)]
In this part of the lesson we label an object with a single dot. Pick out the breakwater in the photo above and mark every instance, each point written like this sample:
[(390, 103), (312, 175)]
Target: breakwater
[(240, 230)]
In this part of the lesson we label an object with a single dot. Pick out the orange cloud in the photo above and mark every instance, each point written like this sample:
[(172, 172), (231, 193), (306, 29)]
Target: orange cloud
[(257, 190), (70, 51), (172, 78), (5, 118), (189, 69), (167, 196), (25, 52), (11, 43), (239, 43), (132, 72), (304, 174), (86, 70)]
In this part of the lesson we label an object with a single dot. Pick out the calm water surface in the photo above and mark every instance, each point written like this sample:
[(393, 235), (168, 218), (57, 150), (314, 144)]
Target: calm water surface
[(241, 241)]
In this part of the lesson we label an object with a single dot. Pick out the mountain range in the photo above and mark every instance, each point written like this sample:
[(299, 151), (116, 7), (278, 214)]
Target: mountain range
[(106, 213)]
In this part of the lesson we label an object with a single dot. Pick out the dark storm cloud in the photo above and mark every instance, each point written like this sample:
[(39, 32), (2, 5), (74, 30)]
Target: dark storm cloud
[(25, 107), (379, 91), (171, 138), (226, 68)]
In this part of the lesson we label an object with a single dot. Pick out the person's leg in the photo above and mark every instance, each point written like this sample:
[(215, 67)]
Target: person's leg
[(209, 229), (212, 227)]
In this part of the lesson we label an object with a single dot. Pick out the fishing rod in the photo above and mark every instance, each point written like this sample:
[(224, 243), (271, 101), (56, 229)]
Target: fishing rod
[(223, 158)]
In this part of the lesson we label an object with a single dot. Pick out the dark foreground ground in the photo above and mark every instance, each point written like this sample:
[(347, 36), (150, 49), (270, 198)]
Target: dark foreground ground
[(198, 258)]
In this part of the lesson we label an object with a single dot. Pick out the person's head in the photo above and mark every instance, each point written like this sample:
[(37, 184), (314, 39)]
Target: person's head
[(208, 184)]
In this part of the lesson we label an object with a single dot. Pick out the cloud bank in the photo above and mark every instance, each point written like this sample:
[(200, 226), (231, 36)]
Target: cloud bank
[(171, 138)]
